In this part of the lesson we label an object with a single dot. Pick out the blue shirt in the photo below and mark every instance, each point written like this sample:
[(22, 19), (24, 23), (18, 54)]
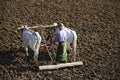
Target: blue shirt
[(61, 36)]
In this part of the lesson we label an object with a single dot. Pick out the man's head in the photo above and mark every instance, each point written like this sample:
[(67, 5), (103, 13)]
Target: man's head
[(60, 25)]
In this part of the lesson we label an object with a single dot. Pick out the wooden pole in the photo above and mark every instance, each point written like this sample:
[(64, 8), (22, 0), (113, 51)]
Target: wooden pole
[(61, 65), (34, 27), (46, 26)]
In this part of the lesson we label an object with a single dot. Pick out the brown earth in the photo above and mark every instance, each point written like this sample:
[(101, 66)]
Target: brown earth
[(97, 23)]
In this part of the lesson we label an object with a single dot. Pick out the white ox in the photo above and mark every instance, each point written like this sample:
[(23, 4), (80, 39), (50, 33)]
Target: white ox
[(71, 39), (32, 39)]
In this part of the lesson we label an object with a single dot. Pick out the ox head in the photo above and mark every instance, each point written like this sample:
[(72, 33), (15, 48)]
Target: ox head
[(20, 29)]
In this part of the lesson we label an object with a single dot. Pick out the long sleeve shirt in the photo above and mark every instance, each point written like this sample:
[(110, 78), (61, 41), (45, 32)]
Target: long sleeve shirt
[(61, 36)]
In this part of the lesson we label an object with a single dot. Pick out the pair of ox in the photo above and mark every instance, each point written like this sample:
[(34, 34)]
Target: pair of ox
[(33, 39)]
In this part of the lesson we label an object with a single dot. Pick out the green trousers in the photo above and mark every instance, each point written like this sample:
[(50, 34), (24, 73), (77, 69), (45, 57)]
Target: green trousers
[(61, 52)]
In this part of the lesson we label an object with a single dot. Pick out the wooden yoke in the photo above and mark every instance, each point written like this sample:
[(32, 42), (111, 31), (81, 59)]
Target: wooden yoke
[(46, 26)]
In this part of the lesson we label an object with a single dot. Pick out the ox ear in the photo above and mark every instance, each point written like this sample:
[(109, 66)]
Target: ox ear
[(25, 26)]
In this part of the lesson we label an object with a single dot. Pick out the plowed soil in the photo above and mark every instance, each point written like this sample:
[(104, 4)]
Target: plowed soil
[(97, 23)]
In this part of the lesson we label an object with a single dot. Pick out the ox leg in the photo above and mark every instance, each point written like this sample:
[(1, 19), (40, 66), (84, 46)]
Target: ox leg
[(74, 54), (35, 47), (69, 48), (32, 45), (26, 49), (36, 52), (74, 50), (71, 52), (35, 55)]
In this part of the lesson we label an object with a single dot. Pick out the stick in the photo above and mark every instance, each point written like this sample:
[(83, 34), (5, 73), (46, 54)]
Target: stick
[(62, 65), (46, 46)]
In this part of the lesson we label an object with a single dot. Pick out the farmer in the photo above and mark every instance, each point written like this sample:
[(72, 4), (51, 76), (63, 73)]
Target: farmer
[(61, 38)]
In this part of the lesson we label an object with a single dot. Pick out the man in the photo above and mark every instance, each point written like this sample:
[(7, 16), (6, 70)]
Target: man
[(61, 38)]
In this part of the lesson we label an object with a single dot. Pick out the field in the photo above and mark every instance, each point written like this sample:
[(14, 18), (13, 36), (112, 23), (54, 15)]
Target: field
[(97, 23)]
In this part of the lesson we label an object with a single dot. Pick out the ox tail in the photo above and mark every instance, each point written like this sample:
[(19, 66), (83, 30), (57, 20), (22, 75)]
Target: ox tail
[(74, 44), (38, 37)]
